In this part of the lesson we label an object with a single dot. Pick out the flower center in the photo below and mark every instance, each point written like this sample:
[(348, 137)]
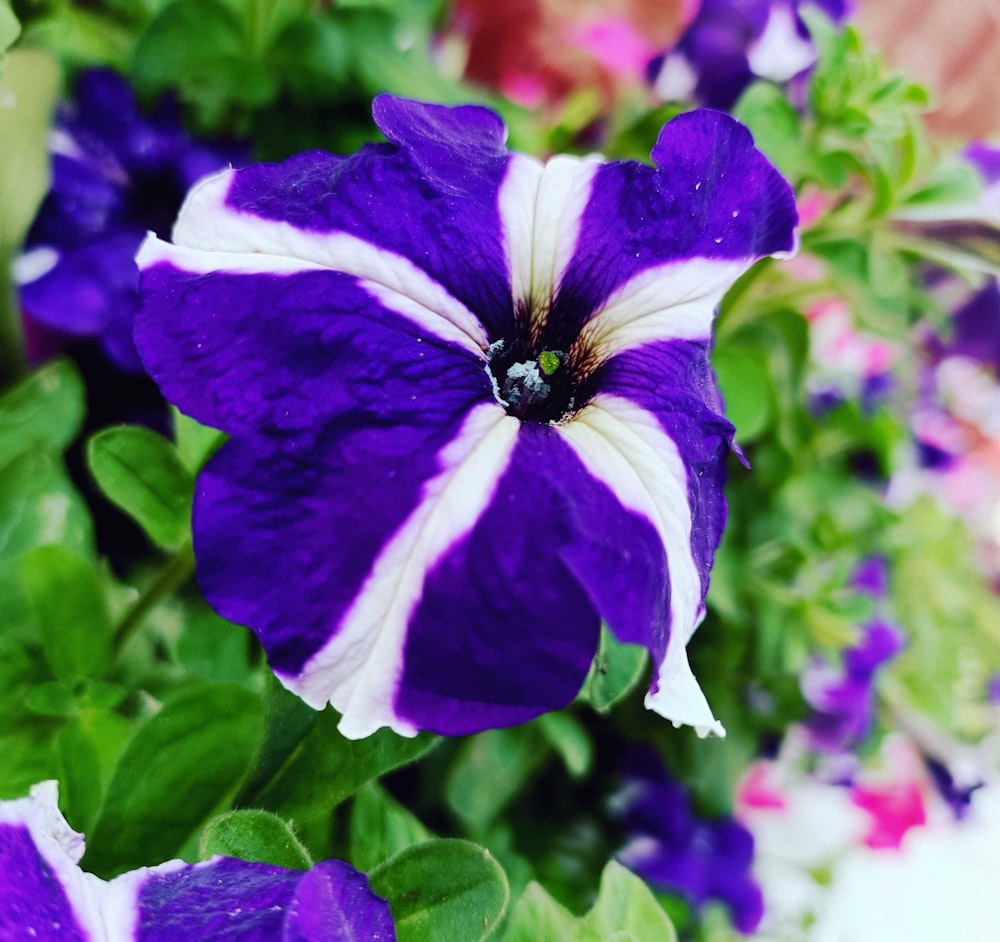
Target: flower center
[(545, 386)]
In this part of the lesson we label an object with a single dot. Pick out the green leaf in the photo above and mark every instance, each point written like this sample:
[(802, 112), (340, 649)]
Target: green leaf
[(489, 771), (326, 768), (538, 916), (141, 472), (199, 47), (66, 596), (196, 443), (287, 720), (30, 88), (10, 28), (51, 698), (257, 836), (570, 740), (381, 827), (616, 672), (625, 908), (43, 411), (40, 506), (180, 766), (80, 780), (80, 38), (746, 390), (776, 127), (443, 891)]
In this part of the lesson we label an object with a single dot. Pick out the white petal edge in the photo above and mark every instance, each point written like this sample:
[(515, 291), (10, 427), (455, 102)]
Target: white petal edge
[(625, 447), (61, 848), (206, 222), (673, 301), (199, 261), (359, 669)]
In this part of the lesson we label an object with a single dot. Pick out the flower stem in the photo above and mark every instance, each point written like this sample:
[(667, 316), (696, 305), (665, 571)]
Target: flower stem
[(176, 572), (13, 361)]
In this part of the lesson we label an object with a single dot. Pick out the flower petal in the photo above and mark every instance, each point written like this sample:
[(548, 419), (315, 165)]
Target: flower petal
[(334, 903), (655, 437), (508, 621), (322, 344), (428, 202), (712, 196), (333, 550), (44, 895)]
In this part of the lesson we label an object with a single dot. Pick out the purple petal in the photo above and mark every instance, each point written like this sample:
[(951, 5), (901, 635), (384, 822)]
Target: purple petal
[(712, 196), (436, 203), (83, 293), (43, 894), (334, 903), (313, 345), (504, 631)]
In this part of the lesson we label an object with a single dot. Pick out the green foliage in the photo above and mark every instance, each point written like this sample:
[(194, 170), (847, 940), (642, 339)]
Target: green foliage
[(443, 891), (177, 768), (625, 911), (325, 768), (67, 598), (254, 835), (142, 473), (381, 827), (617, 670)]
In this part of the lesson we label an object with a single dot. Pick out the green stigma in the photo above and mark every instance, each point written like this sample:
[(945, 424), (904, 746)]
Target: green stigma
[(549, 362)]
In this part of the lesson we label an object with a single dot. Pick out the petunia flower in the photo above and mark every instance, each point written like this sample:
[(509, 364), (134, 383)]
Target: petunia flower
[(843, 701), (471, 408), (45, 896), (116, 174), (675, 850), (732, 42)]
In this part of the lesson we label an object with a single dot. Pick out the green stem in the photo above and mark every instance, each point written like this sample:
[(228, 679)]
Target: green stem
[(13, 355), (171, 578)]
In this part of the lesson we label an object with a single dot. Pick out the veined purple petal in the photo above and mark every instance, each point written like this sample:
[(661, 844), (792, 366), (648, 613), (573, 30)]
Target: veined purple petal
[(313, 344), (711, 198), (427, 202), (508, 621), (44, 895)]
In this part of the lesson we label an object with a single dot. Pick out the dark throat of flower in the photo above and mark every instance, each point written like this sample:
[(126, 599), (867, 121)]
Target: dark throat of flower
[(539, 377)]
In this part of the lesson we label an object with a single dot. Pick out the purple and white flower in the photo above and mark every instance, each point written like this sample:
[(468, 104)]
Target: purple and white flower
[(44, 895), (470, 406), (675, 850), (730, 43), (116, 174)]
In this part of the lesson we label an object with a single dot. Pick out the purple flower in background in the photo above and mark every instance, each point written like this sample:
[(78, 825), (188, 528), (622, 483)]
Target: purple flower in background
[(844, 701), (116, 174), (44, 895), (674, 850), (471, 408), (730, 43)]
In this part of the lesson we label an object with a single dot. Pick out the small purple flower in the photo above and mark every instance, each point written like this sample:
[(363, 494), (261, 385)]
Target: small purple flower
[(471, 408), (957, 795), (44, 895), (674, 850), (844, 701), (871, 577), (116, 174), (730, 43)]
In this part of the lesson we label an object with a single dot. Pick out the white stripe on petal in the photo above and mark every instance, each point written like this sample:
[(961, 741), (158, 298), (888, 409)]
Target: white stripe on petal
[(541, 209), (626, 448), (359, 670), (199, 261), (674, 301), (206, 222), (516, 201)]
